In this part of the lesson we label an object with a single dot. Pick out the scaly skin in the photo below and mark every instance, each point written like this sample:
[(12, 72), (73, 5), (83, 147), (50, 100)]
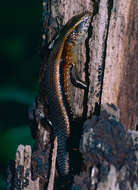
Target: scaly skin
[(56, 77)]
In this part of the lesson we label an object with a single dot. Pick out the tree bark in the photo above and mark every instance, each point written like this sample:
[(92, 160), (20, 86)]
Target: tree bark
[(120, 78), (107, 62)]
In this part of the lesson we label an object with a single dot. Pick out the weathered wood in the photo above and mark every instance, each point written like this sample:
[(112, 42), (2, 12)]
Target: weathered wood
[(97, 46), (23, 169), (107, 61), (53, 166), (110, 156), (120, 76)]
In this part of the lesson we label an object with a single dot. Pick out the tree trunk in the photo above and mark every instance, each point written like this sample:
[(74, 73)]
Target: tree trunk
[(120, 78), (107, 62)]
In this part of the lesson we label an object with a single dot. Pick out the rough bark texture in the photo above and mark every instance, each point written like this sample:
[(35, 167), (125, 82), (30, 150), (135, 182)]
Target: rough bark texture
[(110, 159), (120, 78), (97, 46), (107, 61), (109, 154)]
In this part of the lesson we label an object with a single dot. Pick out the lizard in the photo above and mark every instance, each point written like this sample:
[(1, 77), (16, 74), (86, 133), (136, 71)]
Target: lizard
[(60, 63)]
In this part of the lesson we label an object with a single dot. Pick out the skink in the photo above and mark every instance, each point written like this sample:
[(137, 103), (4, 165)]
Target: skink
[(61, 59)]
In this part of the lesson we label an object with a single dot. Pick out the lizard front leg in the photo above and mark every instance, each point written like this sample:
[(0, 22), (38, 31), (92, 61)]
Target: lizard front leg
[(75, 79)]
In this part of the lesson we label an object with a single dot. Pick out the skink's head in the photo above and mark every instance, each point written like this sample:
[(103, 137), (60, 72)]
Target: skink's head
[(79, 28), (73, 30)]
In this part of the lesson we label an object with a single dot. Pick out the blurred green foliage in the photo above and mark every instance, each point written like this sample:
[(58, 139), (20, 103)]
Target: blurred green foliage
[(19, 72)]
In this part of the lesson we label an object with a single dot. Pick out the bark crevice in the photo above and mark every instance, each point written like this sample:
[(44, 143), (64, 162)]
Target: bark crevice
[(106, 149)]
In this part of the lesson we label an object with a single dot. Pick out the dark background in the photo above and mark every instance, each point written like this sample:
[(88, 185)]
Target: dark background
[(20, 28)]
